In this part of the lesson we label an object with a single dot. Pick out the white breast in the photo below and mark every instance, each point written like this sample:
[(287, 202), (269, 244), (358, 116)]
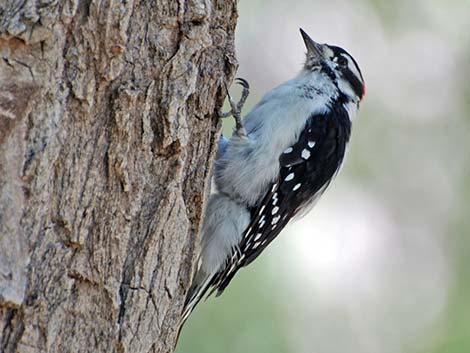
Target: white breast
[(250, 164)]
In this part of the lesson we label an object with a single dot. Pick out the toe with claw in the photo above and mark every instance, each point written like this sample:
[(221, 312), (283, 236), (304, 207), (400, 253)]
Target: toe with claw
[(236, 108)]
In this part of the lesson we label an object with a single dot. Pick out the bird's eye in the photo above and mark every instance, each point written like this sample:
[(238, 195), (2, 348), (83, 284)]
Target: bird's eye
[(342, 61)]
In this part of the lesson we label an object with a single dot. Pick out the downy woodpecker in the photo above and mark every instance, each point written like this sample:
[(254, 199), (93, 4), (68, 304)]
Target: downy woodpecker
[(277, 163)]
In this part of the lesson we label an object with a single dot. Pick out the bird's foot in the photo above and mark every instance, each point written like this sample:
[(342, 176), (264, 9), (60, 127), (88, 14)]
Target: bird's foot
[(236, 108)]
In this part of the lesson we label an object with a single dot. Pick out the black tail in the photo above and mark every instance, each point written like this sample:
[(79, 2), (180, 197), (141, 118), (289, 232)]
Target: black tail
[(194, 296)]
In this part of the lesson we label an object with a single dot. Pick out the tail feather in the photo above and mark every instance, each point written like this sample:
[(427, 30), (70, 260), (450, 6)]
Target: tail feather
[(195, 294)]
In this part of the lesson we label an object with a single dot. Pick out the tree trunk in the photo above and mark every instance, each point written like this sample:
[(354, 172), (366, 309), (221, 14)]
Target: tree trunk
[(108, 129)]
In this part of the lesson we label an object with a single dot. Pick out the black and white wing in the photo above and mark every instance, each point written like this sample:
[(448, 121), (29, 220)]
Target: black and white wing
[(306, 169)]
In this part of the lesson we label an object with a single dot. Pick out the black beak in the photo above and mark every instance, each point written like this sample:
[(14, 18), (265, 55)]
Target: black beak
[(313, 48)]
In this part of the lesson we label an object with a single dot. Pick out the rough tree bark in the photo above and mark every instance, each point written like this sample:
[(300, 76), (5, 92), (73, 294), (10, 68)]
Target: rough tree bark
[(108, 128)]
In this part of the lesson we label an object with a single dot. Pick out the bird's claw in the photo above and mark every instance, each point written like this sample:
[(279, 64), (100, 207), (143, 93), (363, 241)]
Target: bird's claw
[(236, 108)]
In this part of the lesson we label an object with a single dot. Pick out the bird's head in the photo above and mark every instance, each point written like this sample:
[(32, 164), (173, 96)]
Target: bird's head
[(336, 65)]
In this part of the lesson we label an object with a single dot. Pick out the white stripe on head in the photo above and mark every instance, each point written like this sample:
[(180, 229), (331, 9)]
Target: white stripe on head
[(345, 87), (352, 66)]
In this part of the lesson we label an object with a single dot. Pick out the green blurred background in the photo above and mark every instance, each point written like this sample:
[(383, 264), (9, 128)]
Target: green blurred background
[(382, 264)]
